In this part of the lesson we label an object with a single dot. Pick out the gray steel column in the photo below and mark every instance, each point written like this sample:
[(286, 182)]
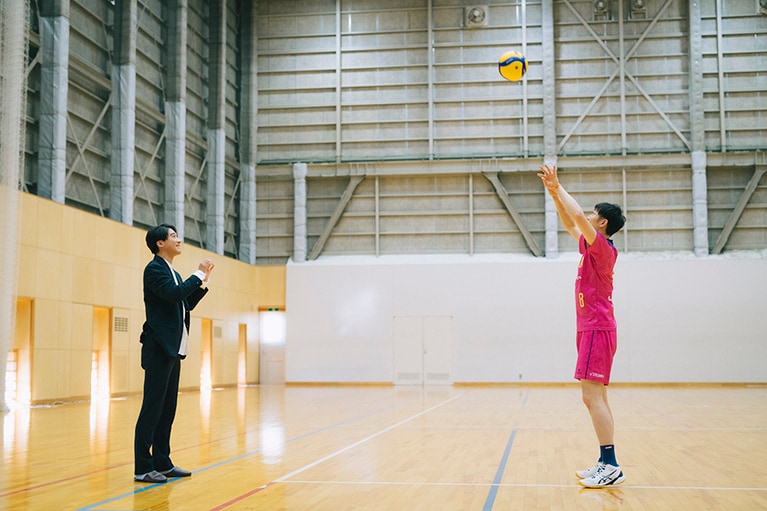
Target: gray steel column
[(123, 111), (549, 122), (175, 114), (248, 132), (54, 85), (299, 212), (697, 135), (216, 133)]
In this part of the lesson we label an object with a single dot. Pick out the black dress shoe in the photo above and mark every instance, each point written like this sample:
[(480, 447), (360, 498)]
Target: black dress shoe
[(176, 472), (151, 477)]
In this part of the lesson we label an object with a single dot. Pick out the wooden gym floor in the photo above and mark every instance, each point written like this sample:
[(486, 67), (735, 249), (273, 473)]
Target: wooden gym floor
[(397, 448)]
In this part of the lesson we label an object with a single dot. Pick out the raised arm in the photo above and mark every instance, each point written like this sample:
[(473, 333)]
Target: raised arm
[(570, 212)]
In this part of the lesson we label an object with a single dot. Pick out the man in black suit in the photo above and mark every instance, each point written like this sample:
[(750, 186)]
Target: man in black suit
[(167, 300)]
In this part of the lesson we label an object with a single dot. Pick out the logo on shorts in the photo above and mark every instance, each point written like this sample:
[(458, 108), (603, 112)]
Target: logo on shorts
[(596, 375)]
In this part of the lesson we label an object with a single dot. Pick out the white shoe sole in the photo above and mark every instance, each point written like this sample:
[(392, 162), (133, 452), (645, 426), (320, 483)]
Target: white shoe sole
[(617, 482)]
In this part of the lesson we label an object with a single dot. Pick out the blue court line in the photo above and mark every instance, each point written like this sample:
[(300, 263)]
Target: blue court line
[(245, 455), (490, 501), (499, 474)]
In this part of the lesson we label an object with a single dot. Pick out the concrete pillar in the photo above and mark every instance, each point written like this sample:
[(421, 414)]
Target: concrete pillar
[(248, 132), (216, 135), (551, 218), (700, 203), (13, 52), (123, 112), (697, 133), (247, 250), (54, 86), (175, 115), (299, 212), (214, 207)]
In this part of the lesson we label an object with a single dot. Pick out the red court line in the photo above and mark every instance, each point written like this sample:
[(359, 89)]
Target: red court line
[(243, 496), (58, 481), (87, 474)]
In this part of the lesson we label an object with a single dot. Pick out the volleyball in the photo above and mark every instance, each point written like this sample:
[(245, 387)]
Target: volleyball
[(512, 65)]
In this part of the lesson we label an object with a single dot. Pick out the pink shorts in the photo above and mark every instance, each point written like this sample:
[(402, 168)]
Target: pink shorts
[(596, 349)]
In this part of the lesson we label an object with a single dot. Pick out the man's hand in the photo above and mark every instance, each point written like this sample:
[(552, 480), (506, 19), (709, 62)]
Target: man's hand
[(548, 175), (206, 266)]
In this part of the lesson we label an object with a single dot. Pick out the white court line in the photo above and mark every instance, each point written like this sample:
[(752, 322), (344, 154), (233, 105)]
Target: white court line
[(360, 442), (505, 427), (520, 485)]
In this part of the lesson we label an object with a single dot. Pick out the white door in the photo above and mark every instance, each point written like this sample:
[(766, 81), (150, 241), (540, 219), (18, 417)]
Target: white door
[(423, 350), (408, 350), (272, 339), (272, 367), (437, 350)]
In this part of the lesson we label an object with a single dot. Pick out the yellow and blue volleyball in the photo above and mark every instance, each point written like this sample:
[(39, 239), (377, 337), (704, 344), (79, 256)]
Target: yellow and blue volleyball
[(512, 65)]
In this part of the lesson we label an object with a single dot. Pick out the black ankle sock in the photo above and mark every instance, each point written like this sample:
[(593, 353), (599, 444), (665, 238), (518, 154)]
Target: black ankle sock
[(607, 455)]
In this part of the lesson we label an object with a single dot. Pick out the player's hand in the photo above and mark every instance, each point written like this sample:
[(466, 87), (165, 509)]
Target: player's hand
[(548, 174)]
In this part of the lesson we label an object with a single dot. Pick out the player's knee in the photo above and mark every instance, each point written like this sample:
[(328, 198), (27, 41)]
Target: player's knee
[(591, 397)]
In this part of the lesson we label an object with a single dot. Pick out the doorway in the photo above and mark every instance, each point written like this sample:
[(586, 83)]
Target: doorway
[(18, 373), (423, 350), (272, 330), (101, 355)]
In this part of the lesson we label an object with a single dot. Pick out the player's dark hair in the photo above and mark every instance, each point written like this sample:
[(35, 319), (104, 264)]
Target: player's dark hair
[(158, 233), (614, 216)]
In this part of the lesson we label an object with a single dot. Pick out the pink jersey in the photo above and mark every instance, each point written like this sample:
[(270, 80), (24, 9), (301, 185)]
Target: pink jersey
[(594, 285)]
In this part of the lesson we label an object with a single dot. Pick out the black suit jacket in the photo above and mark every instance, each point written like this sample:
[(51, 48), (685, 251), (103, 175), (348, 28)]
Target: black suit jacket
[(163, 300)]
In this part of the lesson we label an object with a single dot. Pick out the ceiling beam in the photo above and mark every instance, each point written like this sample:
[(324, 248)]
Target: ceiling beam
[(354, 181), (504, 196), (724, 236)]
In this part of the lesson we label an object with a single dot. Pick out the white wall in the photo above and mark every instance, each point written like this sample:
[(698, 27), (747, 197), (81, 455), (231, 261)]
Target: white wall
[(680, 318)]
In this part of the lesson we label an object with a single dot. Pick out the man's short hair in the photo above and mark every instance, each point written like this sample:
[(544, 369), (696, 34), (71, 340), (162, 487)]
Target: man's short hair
[(158, 233), (614, 216)]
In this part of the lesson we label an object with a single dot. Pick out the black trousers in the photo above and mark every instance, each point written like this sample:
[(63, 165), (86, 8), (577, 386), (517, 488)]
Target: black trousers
[(158, 409)]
